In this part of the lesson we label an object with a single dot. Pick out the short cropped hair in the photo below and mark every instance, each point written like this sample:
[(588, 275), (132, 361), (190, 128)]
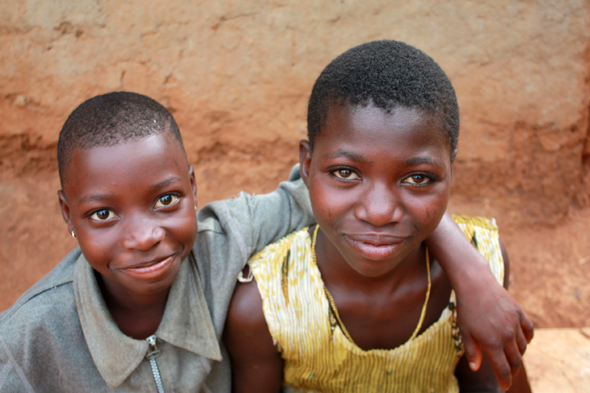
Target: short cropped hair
[(111, 119), (386, 74)]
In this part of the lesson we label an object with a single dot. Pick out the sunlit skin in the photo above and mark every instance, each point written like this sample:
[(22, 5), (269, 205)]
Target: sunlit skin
[(379, 184), (132, 207)]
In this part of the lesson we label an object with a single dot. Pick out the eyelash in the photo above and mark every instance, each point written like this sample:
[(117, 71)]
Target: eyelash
[(173, 203), (430, 176), (109, 218), (333, 172)]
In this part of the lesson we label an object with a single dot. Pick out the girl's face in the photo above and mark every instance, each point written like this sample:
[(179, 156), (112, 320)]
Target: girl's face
[(379, 183), (132, 206)]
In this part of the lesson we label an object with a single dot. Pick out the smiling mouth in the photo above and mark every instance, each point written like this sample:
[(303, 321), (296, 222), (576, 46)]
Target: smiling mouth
[(375, 247), (150, 269)]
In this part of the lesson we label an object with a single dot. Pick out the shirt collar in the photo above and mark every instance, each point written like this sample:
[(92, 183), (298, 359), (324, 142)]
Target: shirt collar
[(186, 323)]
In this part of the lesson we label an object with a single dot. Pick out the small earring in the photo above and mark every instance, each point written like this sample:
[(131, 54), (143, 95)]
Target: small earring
[(196, 208), (73, 233)]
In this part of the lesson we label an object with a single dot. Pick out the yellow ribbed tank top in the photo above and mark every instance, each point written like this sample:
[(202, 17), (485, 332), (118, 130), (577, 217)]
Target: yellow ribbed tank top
[(318, 356)]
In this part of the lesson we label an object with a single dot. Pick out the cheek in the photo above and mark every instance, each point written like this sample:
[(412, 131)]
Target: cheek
[(321, 210), (184, 228), (329, 203), (428, 211), (98, 247)]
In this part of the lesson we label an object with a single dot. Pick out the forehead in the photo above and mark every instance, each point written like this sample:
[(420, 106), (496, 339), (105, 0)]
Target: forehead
[(137, 162), (370, 125)]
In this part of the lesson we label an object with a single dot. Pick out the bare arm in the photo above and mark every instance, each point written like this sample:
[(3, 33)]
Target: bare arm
[(479, 381), (492, 320), (256, 364), (483, 380)]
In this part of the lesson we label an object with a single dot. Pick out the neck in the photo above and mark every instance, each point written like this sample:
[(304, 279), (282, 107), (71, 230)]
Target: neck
[(137, 316)]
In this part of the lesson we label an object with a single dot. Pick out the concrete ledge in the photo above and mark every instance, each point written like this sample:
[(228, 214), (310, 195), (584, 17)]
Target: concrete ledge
[(558, 361)]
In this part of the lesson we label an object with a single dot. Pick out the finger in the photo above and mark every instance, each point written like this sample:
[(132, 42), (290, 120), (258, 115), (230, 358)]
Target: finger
[(472, 352), (501, 367), (527, 326), (521, 341), (513, 356)]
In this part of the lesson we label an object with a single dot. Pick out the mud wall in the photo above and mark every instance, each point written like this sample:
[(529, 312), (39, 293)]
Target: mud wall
[(237, 75)]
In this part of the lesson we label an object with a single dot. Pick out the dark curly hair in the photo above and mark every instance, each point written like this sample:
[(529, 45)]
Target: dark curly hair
[(385, 74), (110, 119)]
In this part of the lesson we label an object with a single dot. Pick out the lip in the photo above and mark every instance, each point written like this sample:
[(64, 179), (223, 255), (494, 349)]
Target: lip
[(150, 269), (375, 246)]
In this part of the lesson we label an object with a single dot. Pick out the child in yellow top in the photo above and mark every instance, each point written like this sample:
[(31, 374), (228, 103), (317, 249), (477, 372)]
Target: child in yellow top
[(140, 305), (365, 308)]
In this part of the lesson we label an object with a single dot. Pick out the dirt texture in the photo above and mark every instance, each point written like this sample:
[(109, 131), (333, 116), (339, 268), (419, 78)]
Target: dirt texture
[(237, 75), (558, 360)]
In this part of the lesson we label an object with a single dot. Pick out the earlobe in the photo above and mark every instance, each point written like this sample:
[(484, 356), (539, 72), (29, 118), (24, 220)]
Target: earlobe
[(193, 180), (65, 210), (304, 160)]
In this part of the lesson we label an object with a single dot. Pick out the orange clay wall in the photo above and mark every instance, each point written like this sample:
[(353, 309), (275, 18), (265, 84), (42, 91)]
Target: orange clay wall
[(237, 76)]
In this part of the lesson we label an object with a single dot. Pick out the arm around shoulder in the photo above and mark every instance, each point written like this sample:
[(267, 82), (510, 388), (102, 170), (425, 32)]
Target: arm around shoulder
[(489, 318), (256, 364), (484, 379), (264, 219)]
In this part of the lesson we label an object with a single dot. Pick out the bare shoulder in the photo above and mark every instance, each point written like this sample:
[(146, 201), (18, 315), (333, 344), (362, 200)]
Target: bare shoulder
[(256, 364), (245, 310)]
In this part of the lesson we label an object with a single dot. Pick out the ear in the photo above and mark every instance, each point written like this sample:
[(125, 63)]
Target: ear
[(65, 210), (193, 180), (304, 160), (453, 156)]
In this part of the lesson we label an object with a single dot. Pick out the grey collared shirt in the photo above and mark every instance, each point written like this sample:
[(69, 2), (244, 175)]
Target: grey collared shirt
[(60, 337)]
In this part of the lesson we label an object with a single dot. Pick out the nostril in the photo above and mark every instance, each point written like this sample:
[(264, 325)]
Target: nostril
[(144, 238), (159, 234), (379, 211)]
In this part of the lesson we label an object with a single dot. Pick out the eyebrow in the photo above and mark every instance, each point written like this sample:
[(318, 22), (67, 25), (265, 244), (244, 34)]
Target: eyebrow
[(167, 182), (423, 160), (91, 198), (348, 154)]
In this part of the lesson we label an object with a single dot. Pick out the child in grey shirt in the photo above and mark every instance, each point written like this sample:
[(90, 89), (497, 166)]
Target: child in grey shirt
[(140, 305)]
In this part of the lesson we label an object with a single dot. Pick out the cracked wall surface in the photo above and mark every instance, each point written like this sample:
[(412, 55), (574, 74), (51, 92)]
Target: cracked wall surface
[(237, 75)]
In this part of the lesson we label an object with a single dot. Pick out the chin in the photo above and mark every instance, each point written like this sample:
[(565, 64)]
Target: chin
[(370, 270)]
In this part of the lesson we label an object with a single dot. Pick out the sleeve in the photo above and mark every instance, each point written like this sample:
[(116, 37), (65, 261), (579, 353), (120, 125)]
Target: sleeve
[(275, 215), (483, 234), (12, 376), (262, 219)]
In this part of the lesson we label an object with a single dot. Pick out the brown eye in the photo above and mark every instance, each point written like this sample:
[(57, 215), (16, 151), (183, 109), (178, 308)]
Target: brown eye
[(418, 180), (102, 215), (167, 200), (345, 174)]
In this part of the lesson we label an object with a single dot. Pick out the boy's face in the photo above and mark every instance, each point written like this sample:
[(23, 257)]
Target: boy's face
[(132, 207), (379, 183)]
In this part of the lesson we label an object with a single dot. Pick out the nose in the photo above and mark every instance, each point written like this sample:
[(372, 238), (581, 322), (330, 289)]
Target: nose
[(380, 205), (142, 234)]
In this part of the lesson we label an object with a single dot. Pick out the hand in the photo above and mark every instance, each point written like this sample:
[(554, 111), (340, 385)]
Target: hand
[(496, 324), (488, 317)]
